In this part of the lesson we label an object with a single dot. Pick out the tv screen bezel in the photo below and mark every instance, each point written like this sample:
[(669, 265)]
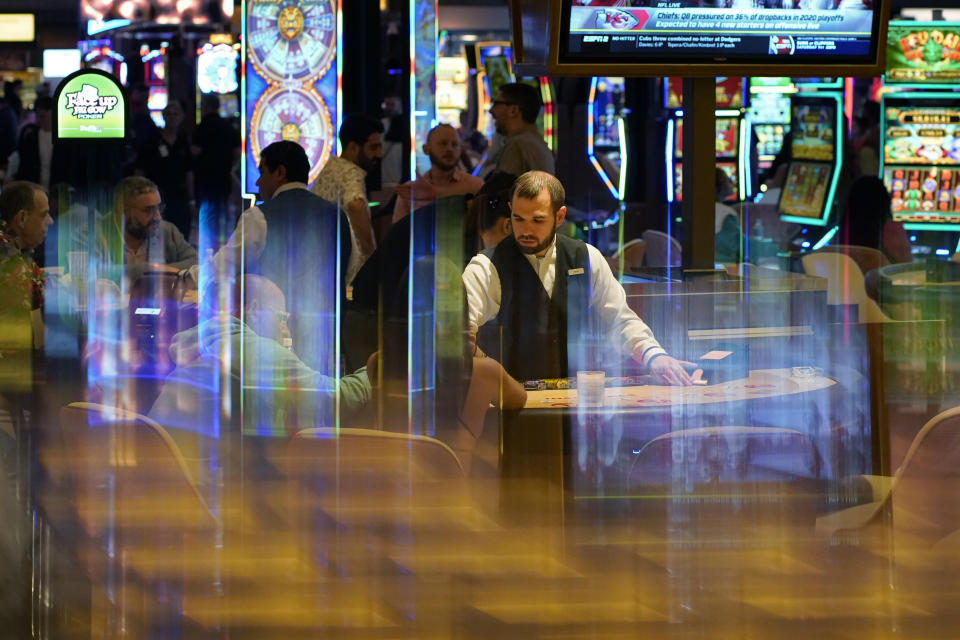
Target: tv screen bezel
[(806, 66)]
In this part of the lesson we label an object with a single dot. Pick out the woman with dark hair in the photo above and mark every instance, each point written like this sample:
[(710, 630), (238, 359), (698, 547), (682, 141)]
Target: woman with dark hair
[(868, 222)]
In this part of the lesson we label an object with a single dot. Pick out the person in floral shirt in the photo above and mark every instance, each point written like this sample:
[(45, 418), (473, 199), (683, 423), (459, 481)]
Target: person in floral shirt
[(24, 218)]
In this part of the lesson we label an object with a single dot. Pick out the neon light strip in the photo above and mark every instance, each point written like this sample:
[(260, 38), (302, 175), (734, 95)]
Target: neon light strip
[(244, 125), (746, 186), (825, 240), (336, 133), (671, 123), (945, 226), (848, 103), (622, 187), (590, 140), (549, 131), (411, 28)]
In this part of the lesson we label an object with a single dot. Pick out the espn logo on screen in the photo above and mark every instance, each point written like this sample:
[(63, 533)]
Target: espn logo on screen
[(596, 38)]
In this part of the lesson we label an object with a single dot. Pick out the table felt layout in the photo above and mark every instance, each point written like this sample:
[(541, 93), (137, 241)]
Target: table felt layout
[(761, 383)]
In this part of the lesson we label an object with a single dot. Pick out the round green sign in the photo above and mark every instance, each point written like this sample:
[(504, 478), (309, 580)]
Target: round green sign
[(90, 105)]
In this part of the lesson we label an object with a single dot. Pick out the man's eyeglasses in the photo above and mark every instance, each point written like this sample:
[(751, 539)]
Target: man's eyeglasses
[(154, 208), (504, 102)]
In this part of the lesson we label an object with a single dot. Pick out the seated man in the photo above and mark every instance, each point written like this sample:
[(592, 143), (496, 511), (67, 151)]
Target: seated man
[(149, 241), (280, 394), (554, 299), (24, 218), (444, 178)]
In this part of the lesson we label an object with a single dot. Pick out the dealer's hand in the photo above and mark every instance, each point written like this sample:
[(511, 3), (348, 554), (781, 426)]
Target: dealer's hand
[(671, 371)]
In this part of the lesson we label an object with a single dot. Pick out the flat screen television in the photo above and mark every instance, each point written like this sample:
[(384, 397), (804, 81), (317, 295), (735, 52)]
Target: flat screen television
[(921, 159), (683, 38), (923, 53)]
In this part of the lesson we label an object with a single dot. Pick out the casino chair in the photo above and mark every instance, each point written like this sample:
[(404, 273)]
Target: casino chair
[(921, 500), (359, 476), (716, 481), (124, 470), (692, 458), (632, 253), (845, 284), (867, 258), (352, 492), (662, 249), (125, 496)]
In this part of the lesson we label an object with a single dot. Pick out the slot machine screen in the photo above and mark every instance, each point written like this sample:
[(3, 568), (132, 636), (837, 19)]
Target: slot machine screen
[(730, 168), (921, 159), (921, 53), (731, 92), (769, 140), (805, 190), (728, 139), (157, 99), (813, 129), (921, 133), (927, 195), (155, 71), (497, 67), (727, 142)]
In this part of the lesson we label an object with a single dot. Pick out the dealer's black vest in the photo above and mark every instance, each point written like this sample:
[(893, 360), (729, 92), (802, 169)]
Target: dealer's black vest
[(304, 234), (536, 335)]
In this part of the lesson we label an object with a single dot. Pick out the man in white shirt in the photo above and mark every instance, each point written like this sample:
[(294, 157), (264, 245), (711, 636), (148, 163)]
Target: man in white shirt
[(551, 325)]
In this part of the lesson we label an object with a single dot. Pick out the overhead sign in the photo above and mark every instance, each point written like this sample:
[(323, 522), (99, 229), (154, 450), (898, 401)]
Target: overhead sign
[(90, 105), (17, 27), (923, 53)]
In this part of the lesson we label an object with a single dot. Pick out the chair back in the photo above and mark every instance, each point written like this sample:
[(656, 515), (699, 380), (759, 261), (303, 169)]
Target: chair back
[(662, 250), (690, 459), (632, 253), (926, 487), (845, 283), (120, 464), (867, 258), (372, 455)]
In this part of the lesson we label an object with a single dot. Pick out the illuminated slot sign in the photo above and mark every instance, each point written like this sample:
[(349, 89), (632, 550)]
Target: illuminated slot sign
[(17, 27), (923, 53), (90, 105)]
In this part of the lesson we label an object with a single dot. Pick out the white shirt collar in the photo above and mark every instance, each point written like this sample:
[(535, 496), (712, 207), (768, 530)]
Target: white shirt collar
[(549, 256), (288, 186)]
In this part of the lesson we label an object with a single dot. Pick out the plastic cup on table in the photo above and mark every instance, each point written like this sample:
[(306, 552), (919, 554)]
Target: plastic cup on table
[(590, 386)]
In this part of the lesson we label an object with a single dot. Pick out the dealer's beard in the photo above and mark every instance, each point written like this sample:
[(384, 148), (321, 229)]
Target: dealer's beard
[(540, 247)]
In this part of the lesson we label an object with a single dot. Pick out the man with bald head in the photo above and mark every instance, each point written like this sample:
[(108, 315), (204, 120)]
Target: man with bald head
[(444, 178), (280, 393)]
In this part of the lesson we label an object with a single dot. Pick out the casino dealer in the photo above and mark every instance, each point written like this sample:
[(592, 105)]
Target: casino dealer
[(551, 301)]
